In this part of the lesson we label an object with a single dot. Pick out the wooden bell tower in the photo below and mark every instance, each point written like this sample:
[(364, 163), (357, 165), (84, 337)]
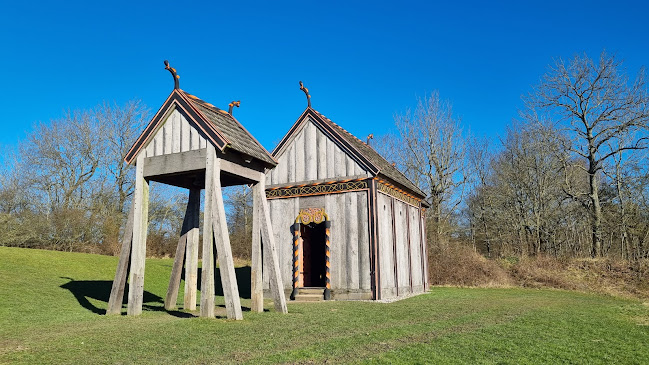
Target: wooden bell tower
[(191, 144)]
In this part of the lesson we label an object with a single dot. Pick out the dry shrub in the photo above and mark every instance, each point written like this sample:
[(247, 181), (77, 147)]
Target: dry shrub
[(456, 264), (161, 245), (543, 271), (605, 276), (460, 265)]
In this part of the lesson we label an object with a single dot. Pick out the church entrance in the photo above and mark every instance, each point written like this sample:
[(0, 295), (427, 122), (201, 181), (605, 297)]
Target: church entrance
[(313, 254)]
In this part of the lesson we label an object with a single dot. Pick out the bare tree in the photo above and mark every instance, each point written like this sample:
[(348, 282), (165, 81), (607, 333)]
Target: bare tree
[(122, 125), (66, 184), (431, 149), (238, 200), (62, 157), (595, 105)]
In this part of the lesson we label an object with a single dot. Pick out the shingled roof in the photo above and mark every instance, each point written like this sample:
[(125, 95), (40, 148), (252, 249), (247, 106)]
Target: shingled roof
[(240, 139), (365, 154), (218, 126)]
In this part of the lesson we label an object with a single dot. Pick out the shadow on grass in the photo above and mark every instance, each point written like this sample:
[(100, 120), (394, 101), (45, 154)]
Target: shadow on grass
[(243, 275), (100, 290)]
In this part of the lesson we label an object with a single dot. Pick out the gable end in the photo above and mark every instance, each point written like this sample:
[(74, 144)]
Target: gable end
[(194, 117)]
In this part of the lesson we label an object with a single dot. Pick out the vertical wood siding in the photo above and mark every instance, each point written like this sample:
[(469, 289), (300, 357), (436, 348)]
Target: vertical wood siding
[(386, 259), (407, 237), (401, 242), (311, 155), (173, 136), (349, 250), (415, 248)]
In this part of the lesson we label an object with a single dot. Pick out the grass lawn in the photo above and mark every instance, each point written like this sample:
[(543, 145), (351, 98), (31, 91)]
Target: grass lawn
[(51, 305)]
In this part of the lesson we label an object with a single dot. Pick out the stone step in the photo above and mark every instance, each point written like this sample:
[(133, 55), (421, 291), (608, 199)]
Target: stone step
[(311, 291), (309, 298)]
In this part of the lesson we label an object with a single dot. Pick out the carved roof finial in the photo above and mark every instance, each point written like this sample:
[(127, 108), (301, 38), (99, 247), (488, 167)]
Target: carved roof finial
[(306, 92), (232, 105), (174, 74), (369, 136)]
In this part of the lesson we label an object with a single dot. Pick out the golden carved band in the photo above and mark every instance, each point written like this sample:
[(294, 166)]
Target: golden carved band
[(326, 188), (384, 188)]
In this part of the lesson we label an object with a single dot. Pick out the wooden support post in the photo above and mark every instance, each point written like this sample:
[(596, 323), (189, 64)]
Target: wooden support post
[(176, 271), (223, 248), (117, 291), (138, 249), (270, 252), (207, 274), (256, 279), (191, 257)]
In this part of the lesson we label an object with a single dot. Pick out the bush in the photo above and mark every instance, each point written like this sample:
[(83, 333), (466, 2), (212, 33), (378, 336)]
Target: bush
[(457, 264)]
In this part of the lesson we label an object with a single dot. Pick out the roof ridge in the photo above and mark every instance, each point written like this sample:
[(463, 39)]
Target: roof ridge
[(210, 105)]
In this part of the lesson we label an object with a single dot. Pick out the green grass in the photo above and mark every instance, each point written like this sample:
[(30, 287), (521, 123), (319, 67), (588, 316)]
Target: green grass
[(50, 305)]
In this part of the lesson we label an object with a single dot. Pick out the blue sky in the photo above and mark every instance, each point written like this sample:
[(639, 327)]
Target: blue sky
[(362, 61)]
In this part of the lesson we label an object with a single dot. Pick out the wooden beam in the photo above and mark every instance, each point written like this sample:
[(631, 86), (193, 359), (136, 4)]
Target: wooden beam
[(239, 170), (191, 257), (176, 271), (117, 291), (270, 251), (256, 279), (207, 274), (223, 248), (375, 263), (174, 163), (138, 249)]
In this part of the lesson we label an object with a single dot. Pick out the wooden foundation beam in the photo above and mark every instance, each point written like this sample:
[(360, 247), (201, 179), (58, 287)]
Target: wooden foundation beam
[(256, 278), (138, 249), (191, 256), (117, 291), (223, 248), (270, 251)]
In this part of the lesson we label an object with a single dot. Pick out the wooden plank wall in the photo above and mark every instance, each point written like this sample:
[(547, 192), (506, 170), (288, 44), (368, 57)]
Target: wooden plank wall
[(401, 246), (415, 250), (386, 248), (175, 135), (399, 238), (311, 155), (349, 248)]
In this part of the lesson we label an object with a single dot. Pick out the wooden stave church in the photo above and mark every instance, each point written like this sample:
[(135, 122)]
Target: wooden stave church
[(326, 176)]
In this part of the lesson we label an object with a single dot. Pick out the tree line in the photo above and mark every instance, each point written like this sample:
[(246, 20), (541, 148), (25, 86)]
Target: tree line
[(66, 186), (567, 178)]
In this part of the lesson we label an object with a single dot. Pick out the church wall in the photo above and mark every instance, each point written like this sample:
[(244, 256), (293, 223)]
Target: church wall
[(401, 264), (349, 240)]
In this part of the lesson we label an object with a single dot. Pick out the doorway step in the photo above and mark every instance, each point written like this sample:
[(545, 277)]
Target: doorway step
[(311, 294)]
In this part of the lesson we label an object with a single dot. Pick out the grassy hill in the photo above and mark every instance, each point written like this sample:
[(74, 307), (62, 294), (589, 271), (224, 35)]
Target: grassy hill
[(51, 306)]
